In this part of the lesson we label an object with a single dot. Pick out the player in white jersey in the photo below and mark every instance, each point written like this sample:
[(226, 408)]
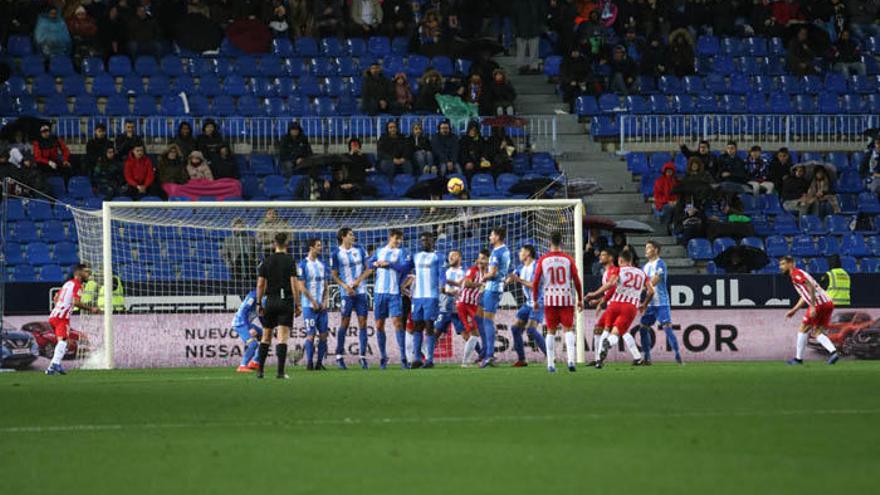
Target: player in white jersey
[(348, 266), (527, 316), (452, 287), (391, 264), (819, 310), (624, 306), (555, 275), (427, 283), (314, 278), (65, 300), (493, 287), (659, 306)]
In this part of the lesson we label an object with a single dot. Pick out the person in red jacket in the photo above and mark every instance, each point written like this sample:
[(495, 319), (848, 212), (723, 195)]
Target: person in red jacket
[(139, 173), (664, 199), (51, 153)]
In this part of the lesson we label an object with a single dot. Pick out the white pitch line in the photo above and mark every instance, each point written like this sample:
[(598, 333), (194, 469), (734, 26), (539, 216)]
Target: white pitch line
[(434, 420)]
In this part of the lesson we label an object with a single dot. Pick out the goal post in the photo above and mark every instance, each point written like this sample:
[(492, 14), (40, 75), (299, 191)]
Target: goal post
[(173, 258)]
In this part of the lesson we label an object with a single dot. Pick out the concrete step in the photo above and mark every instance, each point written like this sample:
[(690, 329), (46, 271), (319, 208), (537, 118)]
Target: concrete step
[(664, 240), (679, 262), (616, 203), (532, 99), (645, 218), (528, 108)]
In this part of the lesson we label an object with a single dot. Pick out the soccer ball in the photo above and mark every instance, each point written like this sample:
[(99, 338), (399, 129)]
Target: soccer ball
[(455, 186)]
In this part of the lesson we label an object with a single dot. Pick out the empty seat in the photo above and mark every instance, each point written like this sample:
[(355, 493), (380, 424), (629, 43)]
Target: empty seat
[(700, 249), (722, 244), (776, 246), (119, 65), (146, 66)]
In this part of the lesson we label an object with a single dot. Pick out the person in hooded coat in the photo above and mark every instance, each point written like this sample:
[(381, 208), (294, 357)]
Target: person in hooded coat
[(293, 149), (51, 35), (664, 199)]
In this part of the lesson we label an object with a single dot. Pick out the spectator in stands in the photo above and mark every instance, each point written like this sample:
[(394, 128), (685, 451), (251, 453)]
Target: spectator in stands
[(51, 35), (377, 92), (97, 145), (83, 29), (327, 16), (575, 77), (444, 145), (869, 169), (184, 139), (633, 44), (786, 13), (473, 151), (863, 17), (561, 16), (758, 172), (618, 243), (794, 192), (422, 153), (821, 194), (397, 17), (138, 172), (32, 176), (144, 34), (664, 199), (267, 228), (528, 18), (224, 167), (395, 152), (681, 53), (366, 17), (623, 72), (403, 94), (731, 167), (847, 56), (51, 154), (356, 171), (476, 93), (105, 174), (780, 167), (277, 22), (128, 139), (704, 154), (430, 31), (503, 148), (342, 188), (312, 188), (503, 94), (210, 140), (172, 168), (801, 56), (692, 225), (293, 149), (111, 33), (653, 60), (595, 244), (197, 167), (301, 21), (430, 85), (239, 251)]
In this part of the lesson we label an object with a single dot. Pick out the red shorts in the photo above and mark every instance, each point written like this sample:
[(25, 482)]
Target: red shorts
[(620, 316), (604, 321), (820, 316), (467, 313), (559, 315), (60, 326)]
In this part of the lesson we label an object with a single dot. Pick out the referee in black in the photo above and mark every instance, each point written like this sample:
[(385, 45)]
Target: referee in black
[(277, 281)]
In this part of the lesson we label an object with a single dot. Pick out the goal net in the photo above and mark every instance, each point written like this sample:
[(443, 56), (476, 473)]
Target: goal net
[(180, 270)]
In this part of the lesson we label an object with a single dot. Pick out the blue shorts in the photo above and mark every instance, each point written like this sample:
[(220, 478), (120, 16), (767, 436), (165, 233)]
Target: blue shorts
[(316, 321), (357, 302), (244, 331), (445, 319), (490, 301), (387, 305), (425, 309), (656, 314), (527, 313)]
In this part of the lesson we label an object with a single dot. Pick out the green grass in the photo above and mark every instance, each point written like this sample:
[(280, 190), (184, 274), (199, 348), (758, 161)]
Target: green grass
[(740, 428)]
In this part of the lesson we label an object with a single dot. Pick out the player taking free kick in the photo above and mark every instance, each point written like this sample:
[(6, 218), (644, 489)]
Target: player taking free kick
[(555, 274), (819, 309), (65, 300)]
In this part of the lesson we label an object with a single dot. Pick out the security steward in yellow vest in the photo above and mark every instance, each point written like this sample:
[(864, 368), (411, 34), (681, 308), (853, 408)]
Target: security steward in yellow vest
[(93, 294), (838, 283)]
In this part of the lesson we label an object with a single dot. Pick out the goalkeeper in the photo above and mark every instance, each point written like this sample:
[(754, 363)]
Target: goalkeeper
[(250, 332)]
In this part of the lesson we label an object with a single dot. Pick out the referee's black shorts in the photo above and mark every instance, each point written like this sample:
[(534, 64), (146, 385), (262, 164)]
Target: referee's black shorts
[(278, 312)]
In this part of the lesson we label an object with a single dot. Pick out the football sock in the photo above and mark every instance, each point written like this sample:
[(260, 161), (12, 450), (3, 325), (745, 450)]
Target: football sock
[(340, 342), (322, 350), (409, 345), (570, 349), (826, 343), (613, 339), (60, 350), (417, 345), (645, 339), (490, 337), (551, 350), (281, 354), (432, 343), (802, 338), (249, 350), (518, 344), (401, 343), (671, 339), (538, 339), (597, 346), (469, 347), (381, 338), (482, 329), (631, 345), (362, 341), (310, 351), (262, 354)]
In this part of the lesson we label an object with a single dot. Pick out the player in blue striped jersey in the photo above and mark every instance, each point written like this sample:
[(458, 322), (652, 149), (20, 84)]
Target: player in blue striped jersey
[(427, 282), (658, 307), (493, 283), (391, 264), (527, 316), (449, 295), (249, 332), (314, 278), (348, 266)]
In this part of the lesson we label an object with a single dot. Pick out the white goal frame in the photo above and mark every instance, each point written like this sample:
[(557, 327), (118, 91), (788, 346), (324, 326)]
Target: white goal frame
[(107, 244)]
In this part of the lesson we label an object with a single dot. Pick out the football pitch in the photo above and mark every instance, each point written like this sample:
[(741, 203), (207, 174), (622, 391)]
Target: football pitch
[(740, 428)]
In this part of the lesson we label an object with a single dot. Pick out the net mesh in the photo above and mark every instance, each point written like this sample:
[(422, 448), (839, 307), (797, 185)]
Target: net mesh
[(181, 273)]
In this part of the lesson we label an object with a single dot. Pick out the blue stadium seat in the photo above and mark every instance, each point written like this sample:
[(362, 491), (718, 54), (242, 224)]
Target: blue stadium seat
[(283, 47), (158, 85), (785, 224), (817, 265), (721, 244), (757, 103), (670, 85), (715, 84), (65, 253), (275, 186), (37, 253), (803, 245), (182, 84), (755, 47), (776, 246), (145, 105), (805, 104), (249, 106), (828, 245), (636, 104), (74, 85), (739, 84), (504, 182), (780, 103), (862, 84), (854, 244), (172, 66), (849, 181), (700, 249), (829, 103), (56, 105), (707, 46), (837, 224), (848, 263), (873, 243), (332, 47), (79, 187), (146, 66), (39, 211), (24, 232), (234, 85), (56, 185), (324, 107), (119, 66), (587, 106), (23, 273), (400, 46), (33, 65), (853, 104), (209, 85), (92, 66), (379, 46), (401, 184), (868, 203), (133, 84), (482, 185), (262, 164), (416, 65), (15, 86), (223, 106), (12, 253), (755, 242), (103, 85), (835, 83), (19, 45), (306, 47), (870, 265), (693, 85), (381, 184), (43, 85), (117, 105), (61, 66), (812, 225)]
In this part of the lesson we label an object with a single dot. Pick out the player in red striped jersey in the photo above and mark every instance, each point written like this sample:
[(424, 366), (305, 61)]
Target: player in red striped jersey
[(65, 300), (603, 326), (819, 310), (554, 276), (468, 303), (624, 305)]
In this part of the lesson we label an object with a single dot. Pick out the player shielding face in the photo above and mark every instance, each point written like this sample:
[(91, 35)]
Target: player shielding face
[(452, 278), (249, 332), (391, 264), (819, 310), (624, 306), (65, 300), (313, 276), (277, 281), (658, 310), (557, 278), (348, 265), (609, 278), (493, 282), (527, 316)]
